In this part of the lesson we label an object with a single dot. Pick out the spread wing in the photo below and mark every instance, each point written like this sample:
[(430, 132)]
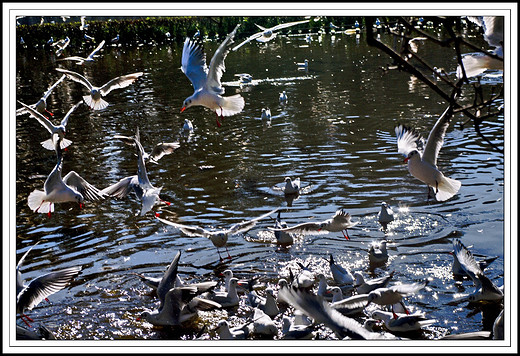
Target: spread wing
[(66, 118), (168, 280), (82, 186), (188, 230), (193, 63), (76, 77), (51, 88), (436, 137), (41, 119), (216, 66), (120, 82), (249, 224), (91, 55), (249, 39), (122, 188), (406, 139), (162, 149), (303, 229)]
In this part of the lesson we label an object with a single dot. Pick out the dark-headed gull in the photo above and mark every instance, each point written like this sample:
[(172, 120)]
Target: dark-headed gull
[(206, 83), (423, 166), (485, 289), (339, 222), (41, 105), (90, 58), (55, 131), (71, 188), (282, 237), (267, 34), (139, 183), (160, 150), (218, 237), (95, 100), (30, 295)]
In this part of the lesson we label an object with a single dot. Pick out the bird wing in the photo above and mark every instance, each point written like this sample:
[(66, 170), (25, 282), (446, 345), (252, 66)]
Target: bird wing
[(144, 182), (41, 119), (126, 139), (188, 230), (66, 118), (91, 55), (76, 77), (436, 137), (162, 149), (247, 40), (467, 262), (304, 229), (288, 24), (249, 224), (168, 280), (119, 82), (408, 288), (406, 139), (122, 188), (51, 88), (73, 58), (43, 286), (86, 189), (216, 66), (193, 63), (20, 262)]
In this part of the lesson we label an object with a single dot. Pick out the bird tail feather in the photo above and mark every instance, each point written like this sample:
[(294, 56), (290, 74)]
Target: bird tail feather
[(232, 105), (447, 188), (95, 104), (36, 203)]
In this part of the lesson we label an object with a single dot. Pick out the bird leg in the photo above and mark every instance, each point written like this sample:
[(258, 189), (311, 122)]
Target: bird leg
[(218, 122), (221, 259), (229, 256), (345, 234), (165, 202), (25, 321), (51, 114)]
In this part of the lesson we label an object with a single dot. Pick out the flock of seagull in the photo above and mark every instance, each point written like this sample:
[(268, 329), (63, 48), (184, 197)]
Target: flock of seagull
[(306, 293)]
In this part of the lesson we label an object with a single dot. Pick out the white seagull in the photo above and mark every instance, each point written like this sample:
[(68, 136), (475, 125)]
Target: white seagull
[(303, 65), (30, 295), (366, 286), (341, 275), (393, 295), (339, 222), (139, 183), (485, 289), (57, 132), (423, 166), (236, 333), (218, 237), (378, 255), (282, 237), (72, 188), (62, 44), (266, 114), (89, 58), (206, 83), (267, 34), (402, 322), (95, 100), (41, 105), (385, 215), (283, 97)]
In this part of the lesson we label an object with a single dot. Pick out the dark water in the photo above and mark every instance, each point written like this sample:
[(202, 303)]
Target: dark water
[(336, 133)]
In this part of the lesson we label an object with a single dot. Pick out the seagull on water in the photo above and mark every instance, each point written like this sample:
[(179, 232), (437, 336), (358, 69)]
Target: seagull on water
[(378, 254), (95, 100), (140, 184), (402, 322), (393, 295), (267, 34), (366, 286), (71, 188), (30, 295), (236, 333), (218, 237), (283, 97), (385, 215), (41, 105), (423, 166), (55, 131), (90, 58), (341, 275), (339, 222), (206, 83)]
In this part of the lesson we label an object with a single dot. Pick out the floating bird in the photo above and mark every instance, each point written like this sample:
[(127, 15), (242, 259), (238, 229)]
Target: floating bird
[(95, 100), (187, 127), (291, 331), (88, 38), (385, 215), (423, 166), (366, 286), (226, 299), (267, 304), (55, 131), (41, 105), (283, 97), (90, 57), (245, 78), (267, 34), (339, 222), (50, 41), (236, 333), (292, 186), (303, 66), (485, 289), (318, 309), (282, 237), (266, 114), (402, 323), (475, 64), (30, 295), (378, 255), (206, 81), (323, 288), (218, 237), (263, 324), (72, 188), (160, 150), (140, 184), (115, 39), (341, 275)]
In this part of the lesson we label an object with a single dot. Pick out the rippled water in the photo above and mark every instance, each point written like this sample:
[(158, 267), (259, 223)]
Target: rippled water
[(336, 133)]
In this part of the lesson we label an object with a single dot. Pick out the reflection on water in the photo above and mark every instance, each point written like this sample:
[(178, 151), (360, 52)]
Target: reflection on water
[(336, 132)]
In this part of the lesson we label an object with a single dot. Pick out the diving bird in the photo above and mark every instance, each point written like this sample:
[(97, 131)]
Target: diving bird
[(90, 58), (71, 188), (339, 222), (30, 295), (423, 166), (140, 184), (160, 150), (267, 34), (218, 237), (41, 105), (206, 83), (55, 131), (95, 100)]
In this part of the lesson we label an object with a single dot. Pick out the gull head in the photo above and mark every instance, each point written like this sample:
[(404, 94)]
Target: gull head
[(411, 155)]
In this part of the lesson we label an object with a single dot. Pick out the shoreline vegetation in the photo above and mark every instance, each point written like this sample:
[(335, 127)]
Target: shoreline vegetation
[(156, 30)]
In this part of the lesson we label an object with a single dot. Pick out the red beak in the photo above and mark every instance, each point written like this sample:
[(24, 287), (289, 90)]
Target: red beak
[(406, 159), (183, 108)]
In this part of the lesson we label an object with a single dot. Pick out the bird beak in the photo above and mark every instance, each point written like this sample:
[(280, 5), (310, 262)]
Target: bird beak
[(183, 108), (405, 160)]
